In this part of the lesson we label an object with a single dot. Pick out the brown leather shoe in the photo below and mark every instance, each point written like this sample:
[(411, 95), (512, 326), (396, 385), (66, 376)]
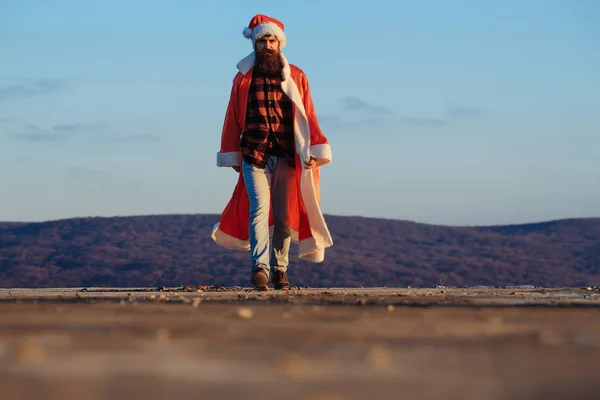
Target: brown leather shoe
[(260, 280), (280, 280)]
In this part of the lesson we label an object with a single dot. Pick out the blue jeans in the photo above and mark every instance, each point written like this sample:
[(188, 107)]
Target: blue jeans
[(265, 186)]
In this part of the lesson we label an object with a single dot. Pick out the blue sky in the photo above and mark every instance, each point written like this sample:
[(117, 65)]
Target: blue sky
[(446, 112)]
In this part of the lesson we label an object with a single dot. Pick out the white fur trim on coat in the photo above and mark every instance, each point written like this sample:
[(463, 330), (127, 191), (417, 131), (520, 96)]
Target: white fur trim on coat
[(228, 241), (309, 253), (322, 151), (229, 159)]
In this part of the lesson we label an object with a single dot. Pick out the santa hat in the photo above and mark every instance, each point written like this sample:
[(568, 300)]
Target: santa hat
[(261, 25)]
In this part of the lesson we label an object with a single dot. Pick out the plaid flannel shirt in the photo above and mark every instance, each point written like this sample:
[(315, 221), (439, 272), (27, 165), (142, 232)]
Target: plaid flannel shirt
[(269, 127)]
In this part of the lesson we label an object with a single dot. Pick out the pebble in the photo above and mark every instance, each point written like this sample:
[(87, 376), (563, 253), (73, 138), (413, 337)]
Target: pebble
[(245, 313), (378, 357), (29, 353), (162, 335), (293, 365)]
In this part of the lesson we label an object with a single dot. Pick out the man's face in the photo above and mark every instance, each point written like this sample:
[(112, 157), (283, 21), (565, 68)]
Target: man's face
[(269, 43), (268, 58)]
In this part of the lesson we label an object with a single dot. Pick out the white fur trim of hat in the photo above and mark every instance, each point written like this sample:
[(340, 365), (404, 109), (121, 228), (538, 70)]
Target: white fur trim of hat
[(265, 28)]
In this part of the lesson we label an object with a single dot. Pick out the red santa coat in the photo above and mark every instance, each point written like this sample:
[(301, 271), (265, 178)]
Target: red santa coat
[(307, 223)]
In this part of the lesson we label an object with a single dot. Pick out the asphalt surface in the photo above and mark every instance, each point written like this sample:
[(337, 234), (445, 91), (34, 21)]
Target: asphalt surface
[(379, 343)]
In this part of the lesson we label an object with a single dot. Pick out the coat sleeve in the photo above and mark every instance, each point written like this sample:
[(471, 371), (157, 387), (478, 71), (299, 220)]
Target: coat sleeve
[(230, 154), (319, 145)]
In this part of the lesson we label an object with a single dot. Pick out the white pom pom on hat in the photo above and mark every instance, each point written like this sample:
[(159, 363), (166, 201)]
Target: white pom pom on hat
[(261, 25)]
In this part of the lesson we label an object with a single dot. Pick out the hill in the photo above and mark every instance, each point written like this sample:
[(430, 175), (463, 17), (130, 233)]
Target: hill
[(174, 250)]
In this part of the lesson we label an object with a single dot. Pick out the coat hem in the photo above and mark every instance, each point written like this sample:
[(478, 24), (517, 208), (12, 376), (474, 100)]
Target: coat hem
[(308, 249), (228, 241)]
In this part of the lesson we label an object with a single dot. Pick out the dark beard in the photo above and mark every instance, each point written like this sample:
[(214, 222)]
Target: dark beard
[(268, 63)]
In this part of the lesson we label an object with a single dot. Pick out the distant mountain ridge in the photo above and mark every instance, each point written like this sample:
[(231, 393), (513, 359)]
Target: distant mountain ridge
[(174, 250)]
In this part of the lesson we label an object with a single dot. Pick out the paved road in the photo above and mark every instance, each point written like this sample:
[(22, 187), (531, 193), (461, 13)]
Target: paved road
[(331, 344)]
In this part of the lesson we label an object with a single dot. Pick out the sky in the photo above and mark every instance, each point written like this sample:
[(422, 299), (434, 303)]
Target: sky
[(444, 112)]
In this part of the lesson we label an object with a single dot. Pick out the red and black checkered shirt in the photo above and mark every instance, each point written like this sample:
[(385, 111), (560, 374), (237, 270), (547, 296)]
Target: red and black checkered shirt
[(269, 122)]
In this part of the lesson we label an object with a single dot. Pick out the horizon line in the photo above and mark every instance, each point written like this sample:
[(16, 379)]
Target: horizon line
[(325, 214)]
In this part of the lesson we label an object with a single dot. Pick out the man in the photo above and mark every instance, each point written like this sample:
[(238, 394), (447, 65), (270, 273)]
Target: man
[(271, 137)]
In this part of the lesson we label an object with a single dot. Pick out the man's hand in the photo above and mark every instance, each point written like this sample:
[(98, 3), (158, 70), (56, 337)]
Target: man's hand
[(236, 168), (314, 163)]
